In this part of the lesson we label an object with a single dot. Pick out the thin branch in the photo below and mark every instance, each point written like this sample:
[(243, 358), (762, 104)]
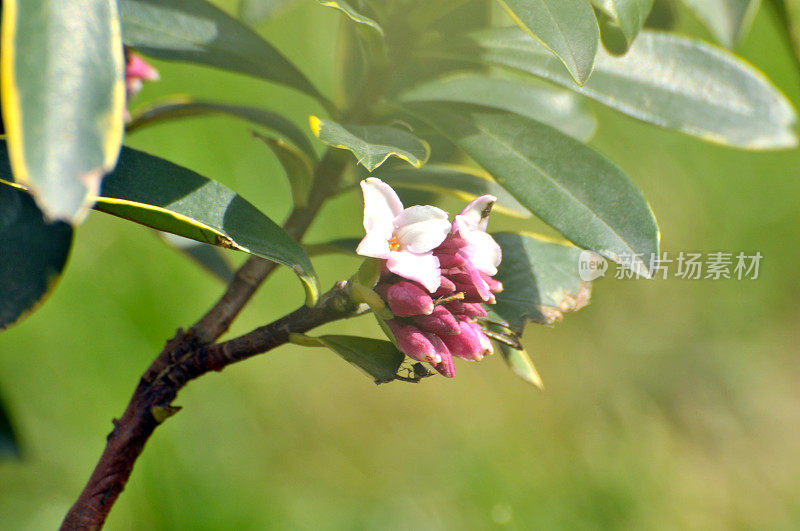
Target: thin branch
[(152, 402)]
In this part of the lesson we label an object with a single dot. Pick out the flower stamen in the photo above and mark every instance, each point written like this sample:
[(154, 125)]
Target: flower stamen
[(394, 244)]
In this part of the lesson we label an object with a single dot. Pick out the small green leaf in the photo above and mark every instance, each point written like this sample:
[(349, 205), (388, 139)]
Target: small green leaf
[(199, 32), (255, 12), (668, 80), (8, 441), (379, 359), (558, 108), (299, 169), (626, 17), (171, 198), (520, 362), (566, 27), (176, 108), (63, 98), (353, 14), (207, 256), (567, 184), (372, 144), (33, 251), (460, 181), (541, 280), (728, 20)]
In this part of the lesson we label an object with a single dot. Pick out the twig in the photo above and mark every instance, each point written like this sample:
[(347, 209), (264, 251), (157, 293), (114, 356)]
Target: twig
[(151, 403)]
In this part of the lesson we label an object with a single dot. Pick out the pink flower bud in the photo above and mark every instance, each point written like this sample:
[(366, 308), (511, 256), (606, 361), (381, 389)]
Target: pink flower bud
[(445, 367), (448, 260), (413, 342), (440, 321), (470, 309), (445, 288), (466, 345), (406, 299), (494, 285), (452, 243)]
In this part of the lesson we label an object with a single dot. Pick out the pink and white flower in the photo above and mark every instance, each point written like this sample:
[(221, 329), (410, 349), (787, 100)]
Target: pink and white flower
[(439, 274), (405, 238)]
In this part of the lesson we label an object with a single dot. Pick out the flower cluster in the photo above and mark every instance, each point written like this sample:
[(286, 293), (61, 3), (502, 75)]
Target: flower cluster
[(437, 274)]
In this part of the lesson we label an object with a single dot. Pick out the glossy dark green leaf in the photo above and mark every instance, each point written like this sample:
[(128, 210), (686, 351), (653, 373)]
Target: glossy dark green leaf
[(728, 20), (372, 144), (8, 441), (353, 14), (254, 12), (668, 80), (379, 359), (566, 27), (173, 109), (162, 195), (298, 167), (460, 181), (207, 256), (567, 184), (626, 17), (63, 98), (559, 108), (199, 32), (520, 362), (541, 280), (33, 251)]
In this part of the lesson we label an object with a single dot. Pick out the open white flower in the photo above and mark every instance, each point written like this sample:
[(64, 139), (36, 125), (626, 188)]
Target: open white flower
[(470, 225), (405, 238)]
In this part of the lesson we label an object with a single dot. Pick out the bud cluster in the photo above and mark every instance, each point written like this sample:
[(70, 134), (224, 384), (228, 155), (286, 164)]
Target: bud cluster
[(435, 327)]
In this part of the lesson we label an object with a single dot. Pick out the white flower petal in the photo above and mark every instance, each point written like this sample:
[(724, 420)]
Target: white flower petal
[(381, 206), (483, 251), (477, 212), (374, 244), (421, 228), (422, 268)]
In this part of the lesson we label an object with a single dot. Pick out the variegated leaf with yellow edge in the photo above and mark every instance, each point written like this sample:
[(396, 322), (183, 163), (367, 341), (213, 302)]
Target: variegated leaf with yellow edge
[(63, 98)]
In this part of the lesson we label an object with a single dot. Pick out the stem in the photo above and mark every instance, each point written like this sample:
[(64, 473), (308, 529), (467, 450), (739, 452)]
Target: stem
[(152, 402)]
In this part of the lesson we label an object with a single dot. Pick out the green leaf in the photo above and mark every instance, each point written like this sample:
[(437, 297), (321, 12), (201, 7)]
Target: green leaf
[(341, 246), (541, 280), (199, 32), (792, 11), (555, 107), (672, 81), (171, 198), (8, 441), (460, 181), (299, 169), (372, 144), (520, 362), (176, 108), (567, 184), (379, 359), (566, 27), (33, 251), (353, 14), (63, 98), (254, 12), (728, 20), (206, 256), (626, 18)]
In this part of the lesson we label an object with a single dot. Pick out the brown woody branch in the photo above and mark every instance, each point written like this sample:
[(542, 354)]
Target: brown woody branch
[(152, 400)]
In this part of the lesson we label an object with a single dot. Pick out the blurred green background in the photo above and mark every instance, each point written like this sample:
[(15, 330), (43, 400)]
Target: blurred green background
[(668, 403)]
